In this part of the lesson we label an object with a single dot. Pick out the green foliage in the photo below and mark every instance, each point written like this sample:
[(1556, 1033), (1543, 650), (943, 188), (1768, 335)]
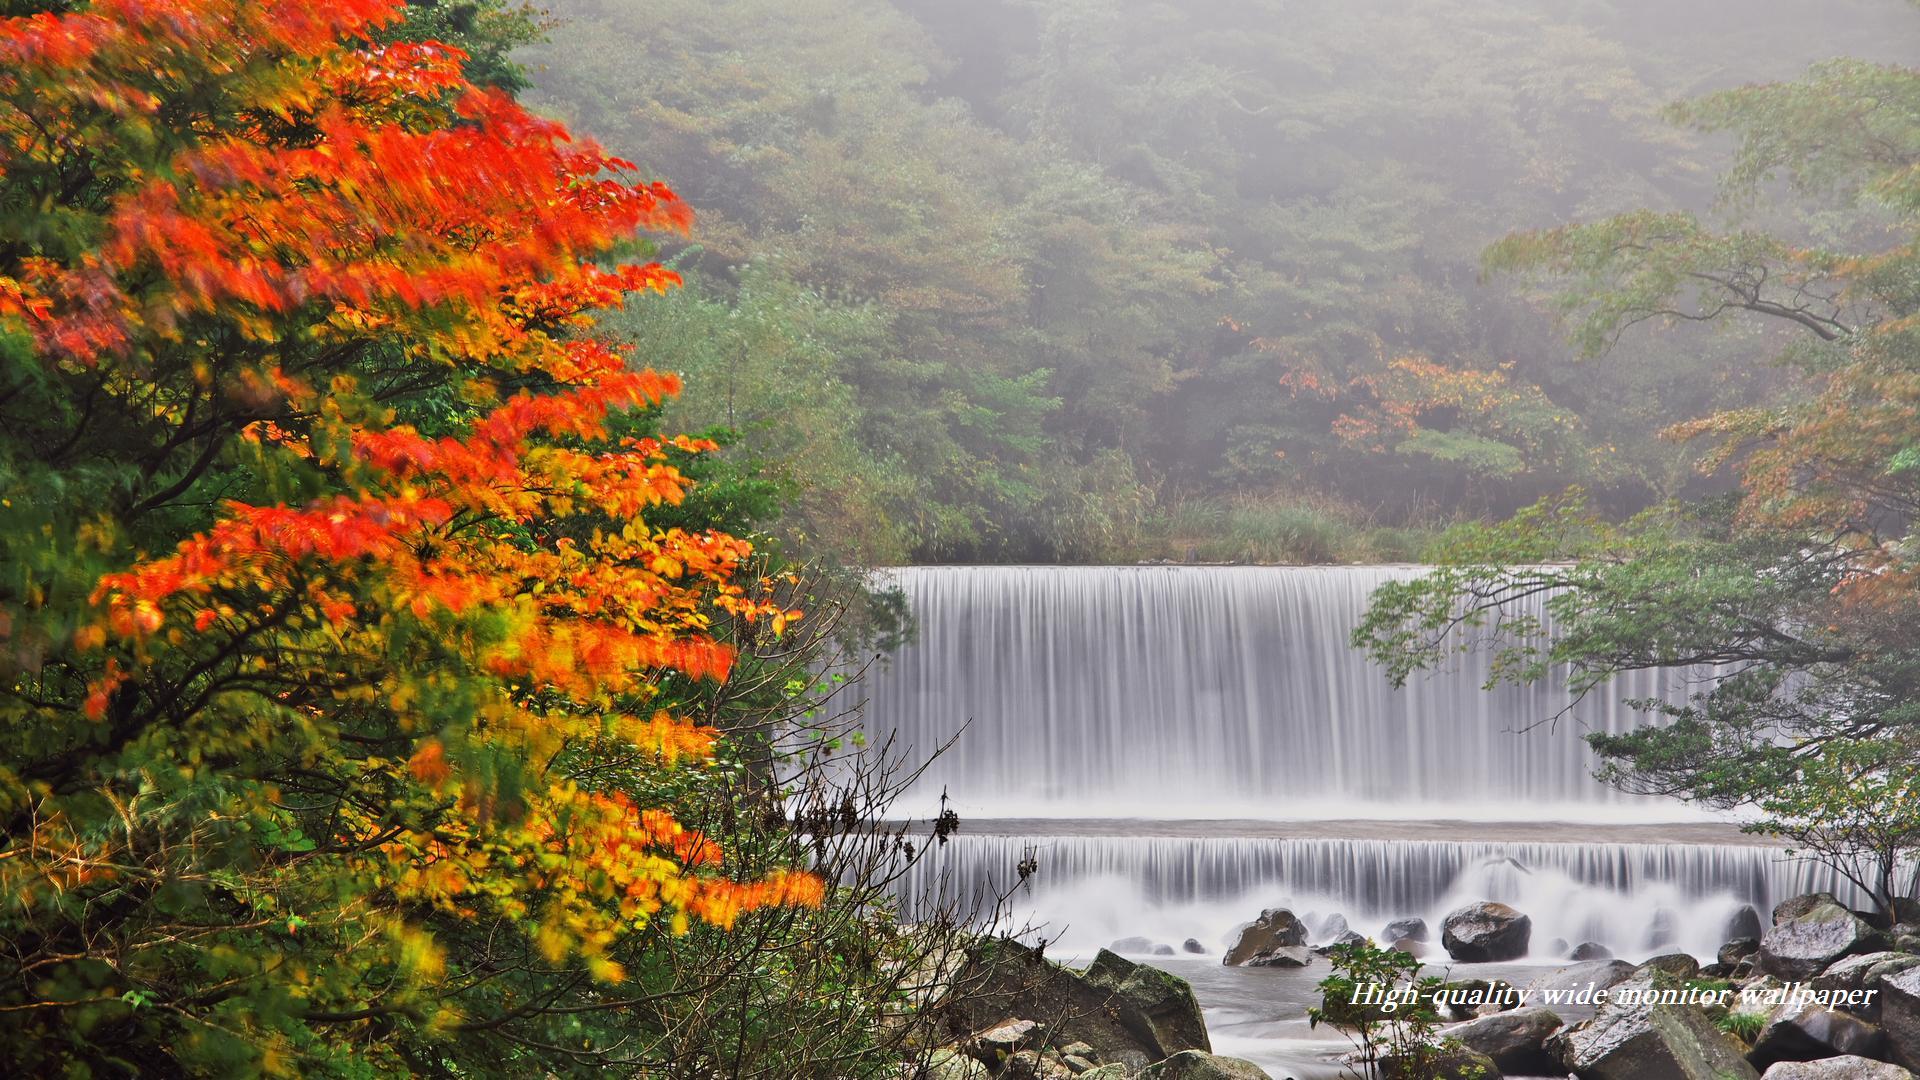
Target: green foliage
[(1378, 997), (1745, 1026), (1115, 259)]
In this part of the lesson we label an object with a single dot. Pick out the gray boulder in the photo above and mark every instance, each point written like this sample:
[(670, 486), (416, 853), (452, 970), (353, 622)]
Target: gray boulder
[(1744, 923), (1411, 947), (1590, 950), (1837, 1068), (1738, 949), (1411, 929), (995, 1044), (1900, 1016), (1195, 1065), (1679, 965), (1796, 906), (1811, 937), (1485, 932), (1132, 945), (1331, 927), (1516, 1040), (950, 1064), (1193, 946), (1630, 1038), (1154, 1005), (1283, 956), (1807, 1032), (1856, 975), (1276, 928), (1588, 979), (1348, 937)]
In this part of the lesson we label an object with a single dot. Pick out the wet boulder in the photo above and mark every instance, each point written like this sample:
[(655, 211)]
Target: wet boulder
[(1590, 950), (1679, 965), (1856, 975), (1811, 937), (1581, 984), (1632, 1037), (1744, 923), (1410, 929), (1485, 932), (1283, 956), (1515, 1040), (1331, 927), (1193, 945), (1276, 928), (1137, 945), (1837, 1068), (1347, 938), (1806, 1032), (1737, 950), (1000, 978), (1415, 949), (1156, 1006), (1900, 1015)]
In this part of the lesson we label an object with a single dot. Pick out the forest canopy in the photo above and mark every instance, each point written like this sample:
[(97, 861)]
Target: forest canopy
[(1116, 279)]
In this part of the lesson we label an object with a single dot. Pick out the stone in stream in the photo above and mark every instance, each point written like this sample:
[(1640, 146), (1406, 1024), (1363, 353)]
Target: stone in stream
[(1410, 929), (1837, 1068), (1807, 1032), (1275, 928), (1515, 1040), (1193, 946), (1737, 950), (1348, 937), (1155, 1005), (1590, 950), (1744, 923), (1809, 933), (1585, 980), (1631, 1039), (1485, 932), (1330, 928), (1132, 945), (1411, 947), (1282, 956)]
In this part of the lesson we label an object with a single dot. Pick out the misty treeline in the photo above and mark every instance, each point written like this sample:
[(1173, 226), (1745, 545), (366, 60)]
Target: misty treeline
[(1115, 279)]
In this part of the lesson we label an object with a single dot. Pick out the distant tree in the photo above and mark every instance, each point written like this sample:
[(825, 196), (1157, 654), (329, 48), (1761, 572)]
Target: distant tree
[(1796, 598)]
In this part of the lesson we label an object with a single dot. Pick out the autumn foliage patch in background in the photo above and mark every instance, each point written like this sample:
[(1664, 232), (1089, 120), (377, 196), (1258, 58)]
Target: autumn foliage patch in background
[(327, 588)]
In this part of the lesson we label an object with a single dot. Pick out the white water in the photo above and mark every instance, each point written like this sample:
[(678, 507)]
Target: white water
[(1220, 691), (1117, 706)]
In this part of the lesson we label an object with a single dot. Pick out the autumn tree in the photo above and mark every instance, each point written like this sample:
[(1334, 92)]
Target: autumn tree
[(343, 668), (1793, 598)]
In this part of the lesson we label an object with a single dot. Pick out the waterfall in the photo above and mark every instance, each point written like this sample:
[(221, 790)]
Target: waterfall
[(1165, 691), (1120, 708)]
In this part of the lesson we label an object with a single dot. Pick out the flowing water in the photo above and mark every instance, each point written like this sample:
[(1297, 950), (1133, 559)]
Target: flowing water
[(1172, 749)]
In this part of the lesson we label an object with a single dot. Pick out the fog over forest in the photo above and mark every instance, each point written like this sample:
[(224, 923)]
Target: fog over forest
[(1105, 279)]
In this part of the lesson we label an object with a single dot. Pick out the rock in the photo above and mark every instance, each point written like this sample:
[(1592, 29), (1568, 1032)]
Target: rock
[(1590, 950), (1811, 937), (1076, 1064), (1738, 949), (1587, 980), (1284, 956), (1806, 1032), (1347, 938), (1154, 1005), (951, 1064), (1163, 950), (1837, 1068), (1002, 978), (1466, 999), (1276, 928), (1557, 947), (1193, 946), (1447, 1063), (1900, 1016), (1032, 1065), (1003, 1039), (1132, 945), (1331, 927), (1114, 1071), (1515, 1040), (1679, 965), (1077, 1049), (1415, 949), (1195, 1065), (1485, 932), (1628, 1039), (1790, 909), (1665, 929), (1855, 975), (1744, 923), (1412, 929)]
